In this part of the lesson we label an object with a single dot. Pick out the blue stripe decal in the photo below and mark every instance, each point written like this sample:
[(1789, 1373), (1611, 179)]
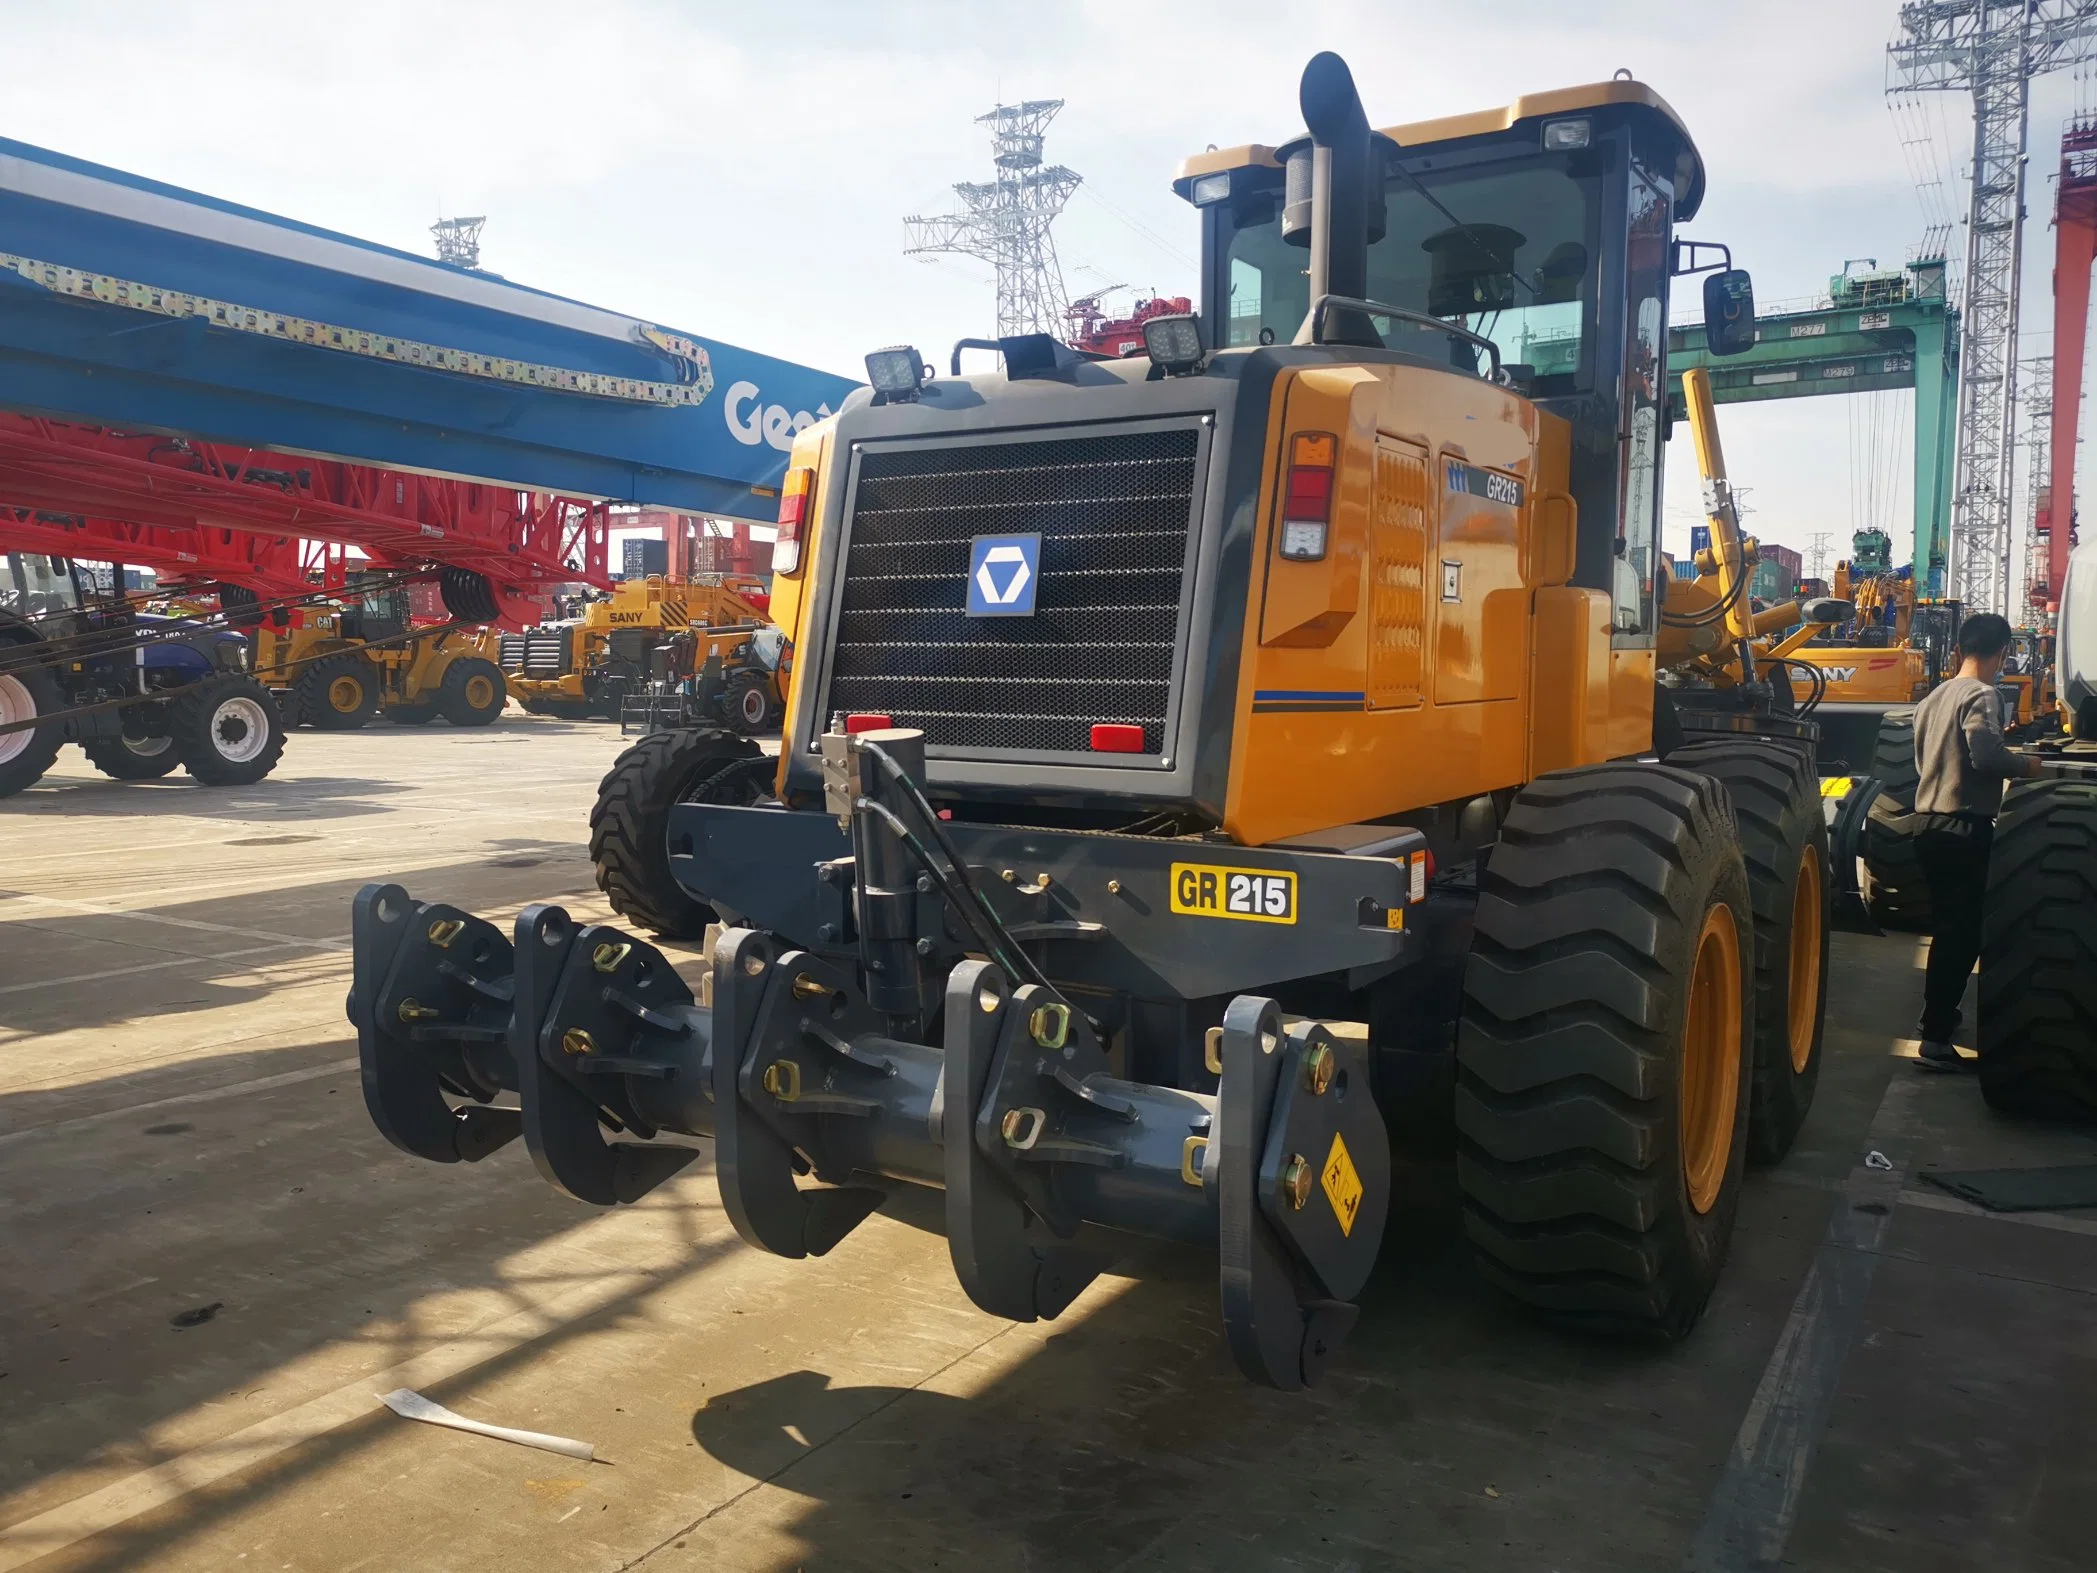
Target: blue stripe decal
[(1267, 695)]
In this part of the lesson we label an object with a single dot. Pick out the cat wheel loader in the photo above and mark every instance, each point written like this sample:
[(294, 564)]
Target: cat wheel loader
[(1209, 769), (337, 667)]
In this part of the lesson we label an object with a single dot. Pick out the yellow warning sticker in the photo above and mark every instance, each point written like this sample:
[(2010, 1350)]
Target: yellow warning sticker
[(1837, 786), (1342, 1186)]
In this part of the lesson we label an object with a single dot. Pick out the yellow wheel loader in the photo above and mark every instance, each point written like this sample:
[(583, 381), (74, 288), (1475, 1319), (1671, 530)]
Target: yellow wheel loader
[(1202, 764), (337, 667)]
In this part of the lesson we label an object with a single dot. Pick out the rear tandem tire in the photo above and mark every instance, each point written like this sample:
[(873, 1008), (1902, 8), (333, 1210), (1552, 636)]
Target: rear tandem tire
[(1895, 890), (228, 731), (473, 692), (132, 759), (26, 755), (2037, 1031), (1784, 837), (630, 824), (1603, 1055)]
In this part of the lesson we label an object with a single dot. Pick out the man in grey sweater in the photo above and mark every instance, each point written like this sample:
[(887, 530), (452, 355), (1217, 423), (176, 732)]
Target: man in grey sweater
[(1960, 752)]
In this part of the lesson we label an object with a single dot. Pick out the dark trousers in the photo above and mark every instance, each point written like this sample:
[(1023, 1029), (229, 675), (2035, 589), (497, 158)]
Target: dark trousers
[(1955, 863)]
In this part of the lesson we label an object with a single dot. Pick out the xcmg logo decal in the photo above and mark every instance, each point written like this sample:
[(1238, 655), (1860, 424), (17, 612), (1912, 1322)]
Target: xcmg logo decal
[(1004, 571)]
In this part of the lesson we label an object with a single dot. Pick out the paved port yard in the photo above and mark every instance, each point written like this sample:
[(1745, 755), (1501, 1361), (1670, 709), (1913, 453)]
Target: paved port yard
[(181, 1129)]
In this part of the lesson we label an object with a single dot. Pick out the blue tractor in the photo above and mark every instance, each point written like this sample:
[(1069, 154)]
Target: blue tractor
[(140, 694)]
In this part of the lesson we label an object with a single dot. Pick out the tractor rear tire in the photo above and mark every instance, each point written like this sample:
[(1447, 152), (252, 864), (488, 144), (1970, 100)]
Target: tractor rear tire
[(24, 694), (1604, 1052), (473, 692), (1895, 889), (753, 704), (228, 731), (1893, 758), (630, 824), (1784, 837), (337, 693), (132, 759), (2038, 961)]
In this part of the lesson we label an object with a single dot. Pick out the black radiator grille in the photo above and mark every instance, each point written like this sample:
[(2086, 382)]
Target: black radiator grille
[(1113, 513)]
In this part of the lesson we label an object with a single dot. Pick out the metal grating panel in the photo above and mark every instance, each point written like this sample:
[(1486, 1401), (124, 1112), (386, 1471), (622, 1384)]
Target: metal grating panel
[(1113, 511), (1397, 575)]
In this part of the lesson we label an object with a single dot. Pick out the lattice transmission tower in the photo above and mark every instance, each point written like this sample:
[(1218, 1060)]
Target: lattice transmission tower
[(459, 240), (1006, 221), (1991, 49)]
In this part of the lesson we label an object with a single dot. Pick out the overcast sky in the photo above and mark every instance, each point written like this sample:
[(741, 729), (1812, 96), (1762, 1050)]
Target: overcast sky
[(742, 170)]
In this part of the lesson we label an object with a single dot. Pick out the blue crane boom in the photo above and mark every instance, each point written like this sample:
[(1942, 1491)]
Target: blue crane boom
[(128, 303)]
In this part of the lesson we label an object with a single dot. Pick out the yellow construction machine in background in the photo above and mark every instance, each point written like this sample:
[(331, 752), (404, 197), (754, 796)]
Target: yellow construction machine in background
[(621, 647), (338, 665)]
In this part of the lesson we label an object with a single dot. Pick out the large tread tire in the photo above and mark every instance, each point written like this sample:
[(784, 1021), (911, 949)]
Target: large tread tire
[(1784, 837), (1895, 889), (630, 824), (322, 697), (127, 759), (2038, 961), (228, 731), (473, 692), (1592, 911), (25, 692), (1893, 758)]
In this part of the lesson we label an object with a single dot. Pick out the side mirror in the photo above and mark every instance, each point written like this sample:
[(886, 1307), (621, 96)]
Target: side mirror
[(1729, 312)]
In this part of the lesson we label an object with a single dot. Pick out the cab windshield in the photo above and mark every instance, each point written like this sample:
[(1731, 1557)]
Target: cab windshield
[(1508, 251), (37, 586)]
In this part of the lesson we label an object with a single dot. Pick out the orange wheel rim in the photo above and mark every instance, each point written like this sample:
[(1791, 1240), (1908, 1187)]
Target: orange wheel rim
[(345, 694), (1710, 1081), (1805, 958), (479, 691)]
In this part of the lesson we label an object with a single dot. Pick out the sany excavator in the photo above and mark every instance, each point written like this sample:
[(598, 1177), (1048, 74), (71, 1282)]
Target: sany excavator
[(1198, 764)]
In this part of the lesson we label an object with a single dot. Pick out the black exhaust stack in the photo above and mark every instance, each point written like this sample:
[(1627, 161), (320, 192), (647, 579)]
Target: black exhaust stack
[(1333, 196)]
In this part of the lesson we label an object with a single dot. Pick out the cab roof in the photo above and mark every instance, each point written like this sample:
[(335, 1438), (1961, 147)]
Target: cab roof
[(1620, 93)]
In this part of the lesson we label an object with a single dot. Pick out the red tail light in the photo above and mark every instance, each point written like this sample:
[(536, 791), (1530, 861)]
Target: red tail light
[(1307, 496), (1114, 737), (793, 516), (867, 722)]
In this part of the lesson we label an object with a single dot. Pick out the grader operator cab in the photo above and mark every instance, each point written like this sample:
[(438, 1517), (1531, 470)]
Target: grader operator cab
[(1199, 767)]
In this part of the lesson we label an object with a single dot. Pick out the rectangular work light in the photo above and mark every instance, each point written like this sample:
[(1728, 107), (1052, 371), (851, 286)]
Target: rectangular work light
[(1212, 188), (1174, 344), (896, 373)]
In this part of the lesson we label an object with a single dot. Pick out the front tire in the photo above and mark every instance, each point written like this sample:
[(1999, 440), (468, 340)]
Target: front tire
[(24, 695), (132, 758), (337, 694), (2038, 961), (630, 824), (1895, 889), (1784, 838), (473, 692), (228, 731), (1604, 1051)]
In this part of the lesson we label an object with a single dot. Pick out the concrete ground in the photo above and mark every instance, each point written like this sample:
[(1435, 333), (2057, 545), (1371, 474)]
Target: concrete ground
[(211, 1263)]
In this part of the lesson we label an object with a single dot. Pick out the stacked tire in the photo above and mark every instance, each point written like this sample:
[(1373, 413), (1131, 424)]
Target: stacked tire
[(2038, 963)]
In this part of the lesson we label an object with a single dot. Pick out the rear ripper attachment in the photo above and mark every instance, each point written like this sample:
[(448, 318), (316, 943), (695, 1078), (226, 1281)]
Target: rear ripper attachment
[(912, 1038)]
